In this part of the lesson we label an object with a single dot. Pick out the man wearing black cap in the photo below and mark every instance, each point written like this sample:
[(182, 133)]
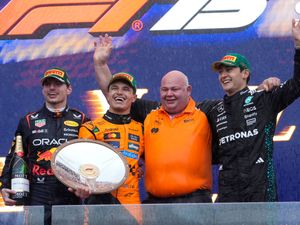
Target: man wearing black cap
[(42, 132), (244, 123)]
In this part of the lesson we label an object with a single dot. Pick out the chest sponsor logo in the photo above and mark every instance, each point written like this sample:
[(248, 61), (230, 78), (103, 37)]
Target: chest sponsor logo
[(132, 129), (221, 123), (129, 154), (46, 155), (48, 142), (133, 146), (40, 123), (221, 128), (110, 129), (221, 118), (70, 130), (70, 135), (134, 137), (249, 109), (115, 144), (251, 121), (250, 115), (112, 135), (71, 123), (237, 136), (40, 131), (38, 170)]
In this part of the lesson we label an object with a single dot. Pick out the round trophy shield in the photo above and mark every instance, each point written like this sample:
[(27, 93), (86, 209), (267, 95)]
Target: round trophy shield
[(82, 163)]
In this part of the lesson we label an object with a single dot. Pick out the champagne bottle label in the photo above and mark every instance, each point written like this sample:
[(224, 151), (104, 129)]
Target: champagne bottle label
[(20, 184)]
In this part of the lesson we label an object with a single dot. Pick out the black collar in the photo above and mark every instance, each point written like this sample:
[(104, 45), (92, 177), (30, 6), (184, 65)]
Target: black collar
[(116, 118), (236, 95), (55, 114)]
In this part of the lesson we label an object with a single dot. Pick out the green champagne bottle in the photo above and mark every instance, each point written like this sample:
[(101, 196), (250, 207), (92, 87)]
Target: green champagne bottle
[(19, 174)]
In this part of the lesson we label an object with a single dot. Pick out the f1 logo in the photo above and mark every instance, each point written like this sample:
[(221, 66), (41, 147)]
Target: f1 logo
[(210, 14), (34, 18)]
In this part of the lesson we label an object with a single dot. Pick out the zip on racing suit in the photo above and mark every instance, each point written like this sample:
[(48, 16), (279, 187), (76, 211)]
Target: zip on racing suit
[(42, 132), (244, 126)]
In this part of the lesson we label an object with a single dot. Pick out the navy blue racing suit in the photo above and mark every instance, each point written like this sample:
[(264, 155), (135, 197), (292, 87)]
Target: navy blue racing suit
[(42, 132)]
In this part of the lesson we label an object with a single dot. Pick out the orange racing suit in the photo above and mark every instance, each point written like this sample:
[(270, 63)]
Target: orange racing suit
[(126, 135)]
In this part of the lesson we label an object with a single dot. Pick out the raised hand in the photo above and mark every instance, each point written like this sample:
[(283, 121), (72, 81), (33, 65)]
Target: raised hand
[(102, 49)]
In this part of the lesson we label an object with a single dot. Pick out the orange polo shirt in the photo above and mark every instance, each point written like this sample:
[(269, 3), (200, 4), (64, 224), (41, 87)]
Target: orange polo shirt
[(177, 152)]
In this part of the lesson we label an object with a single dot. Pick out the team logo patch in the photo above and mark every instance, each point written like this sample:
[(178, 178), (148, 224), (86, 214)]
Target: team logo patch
[(40, 123), (154, 130), (248, 99), (112, 135)]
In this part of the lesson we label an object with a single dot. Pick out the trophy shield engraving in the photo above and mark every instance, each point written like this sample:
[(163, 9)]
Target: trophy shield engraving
[(89, 163)]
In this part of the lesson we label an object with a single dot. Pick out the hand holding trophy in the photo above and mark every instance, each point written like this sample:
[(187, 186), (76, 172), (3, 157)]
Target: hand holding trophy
[(83, 163)]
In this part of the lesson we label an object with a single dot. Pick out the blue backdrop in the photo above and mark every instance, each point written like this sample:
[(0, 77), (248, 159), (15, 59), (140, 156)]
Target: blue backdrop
[(148, 55)]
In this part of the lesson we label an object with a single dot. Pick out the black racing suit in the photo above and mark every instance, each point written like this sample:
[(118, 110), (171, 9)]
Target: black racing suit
[(244, 126), (42, 132)]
